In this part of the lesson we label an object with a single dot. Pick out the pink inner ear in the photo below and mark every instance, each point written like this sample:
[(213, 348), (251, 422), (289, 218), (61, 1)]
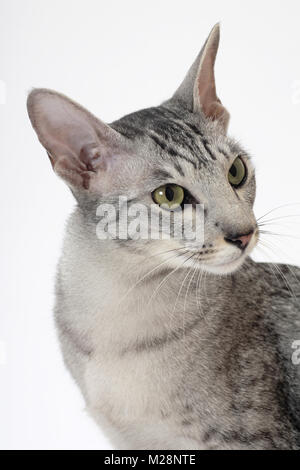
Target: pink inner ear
[(206, 84), (205, 94), (79, 145), (209, 102), (79, 170)]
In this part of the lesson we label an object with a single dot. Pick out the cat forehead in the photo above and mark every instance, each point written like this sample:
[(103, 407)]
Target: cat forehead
[(177, 136)]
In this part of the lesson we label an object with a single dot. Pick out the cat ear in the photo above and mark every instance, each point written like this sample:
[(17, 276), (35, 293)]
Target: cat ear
[(81, 148), (198, 90)]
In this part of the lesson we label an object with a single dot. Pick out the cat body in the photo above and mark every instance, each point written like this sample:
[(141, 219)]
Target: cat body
[(174, 344), (218, 377)]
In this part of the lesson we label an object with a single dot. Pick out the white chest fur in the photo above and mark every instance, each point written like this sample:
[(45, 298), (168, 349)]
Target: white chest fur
[(129, 399)]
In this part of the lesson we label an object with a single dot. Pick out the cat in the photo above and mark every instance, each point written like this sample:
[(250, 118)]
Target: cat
[(175, 343)]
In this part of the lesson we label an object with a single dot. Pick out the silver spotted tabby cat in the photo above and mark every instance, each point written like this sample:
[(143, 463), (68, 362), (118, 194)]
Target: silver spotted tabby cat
[(174, 343)]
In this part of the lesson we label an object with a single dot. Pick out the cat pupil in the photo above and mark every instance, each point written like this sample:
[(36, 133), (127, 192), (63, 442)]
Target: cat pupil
[(233, 170), (169, 193)]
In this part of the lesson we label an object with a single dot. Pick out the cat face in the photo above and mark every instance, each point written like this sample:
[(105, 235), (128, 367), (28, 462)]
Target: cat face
[(174, 147), (165, 163)]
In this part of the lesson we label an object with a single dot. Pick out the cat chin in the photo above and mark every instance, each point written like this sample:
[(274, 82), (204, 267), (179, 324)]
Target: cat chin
[(226, 268)]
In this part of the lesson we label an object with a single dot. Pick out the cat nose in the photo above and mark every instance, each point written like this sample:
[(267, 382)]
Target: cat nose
[(240, 241)]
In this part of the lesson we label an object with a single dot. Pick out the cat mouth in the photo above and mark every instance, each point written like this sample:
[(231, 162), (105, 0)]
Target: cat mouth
[(230, 263), (221, 260)]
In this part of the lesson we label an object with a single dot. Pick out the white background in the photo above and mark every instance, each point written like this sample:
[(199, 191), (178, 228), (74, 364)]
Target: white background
[(115, 57)]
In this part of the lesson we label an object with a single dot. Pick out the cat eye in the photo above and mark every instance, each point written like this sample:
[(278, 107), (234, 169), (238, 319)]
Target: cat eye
[(238, 173), (169, 196)]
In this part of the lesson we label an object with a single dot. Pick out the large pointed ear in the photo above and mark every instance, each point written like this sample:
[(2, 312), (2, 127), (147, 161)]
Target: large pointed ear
[(81, 148), (198, 90)]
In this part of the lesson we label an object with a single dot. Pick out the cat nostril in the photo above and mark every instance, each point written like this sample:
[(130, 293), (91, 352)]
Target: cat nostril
[(241, 241)]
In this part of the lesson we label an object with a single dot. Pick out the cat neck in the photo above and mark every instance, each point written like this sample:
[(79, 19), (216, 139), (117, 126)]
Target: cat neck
[(128, 299)]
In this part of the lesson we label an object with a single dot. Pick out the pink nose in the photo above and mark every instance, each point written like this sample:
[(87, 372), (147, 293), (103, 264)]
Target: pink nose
[(241, 241)]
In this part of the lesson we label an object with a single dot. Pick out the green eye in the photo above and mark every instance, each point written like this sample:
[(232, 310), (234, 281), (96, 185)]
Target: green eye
[(169, 196), (237, 173)]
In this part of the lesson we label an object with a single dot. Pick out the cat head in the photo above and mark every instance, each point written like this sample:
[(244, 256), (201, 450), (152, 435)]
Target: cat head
[(164, 159)]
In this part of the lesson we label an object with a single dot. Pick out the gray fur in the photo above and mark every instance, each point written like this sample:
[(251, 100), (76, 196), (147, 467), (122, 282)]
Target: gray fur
[(169, 351)]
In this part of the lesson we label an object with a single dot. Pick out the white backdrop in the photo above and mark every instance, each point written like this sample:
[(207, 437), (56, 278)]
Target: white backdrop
[(115, 57)]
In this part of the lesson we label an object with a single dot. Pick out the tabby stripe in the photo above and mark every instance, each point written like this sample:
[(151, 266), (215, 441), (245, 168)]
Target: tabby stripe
[(177, 132), (222, 152), (162, 174), (179, 168), (161, 341), (171, 151), (196, 131)]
